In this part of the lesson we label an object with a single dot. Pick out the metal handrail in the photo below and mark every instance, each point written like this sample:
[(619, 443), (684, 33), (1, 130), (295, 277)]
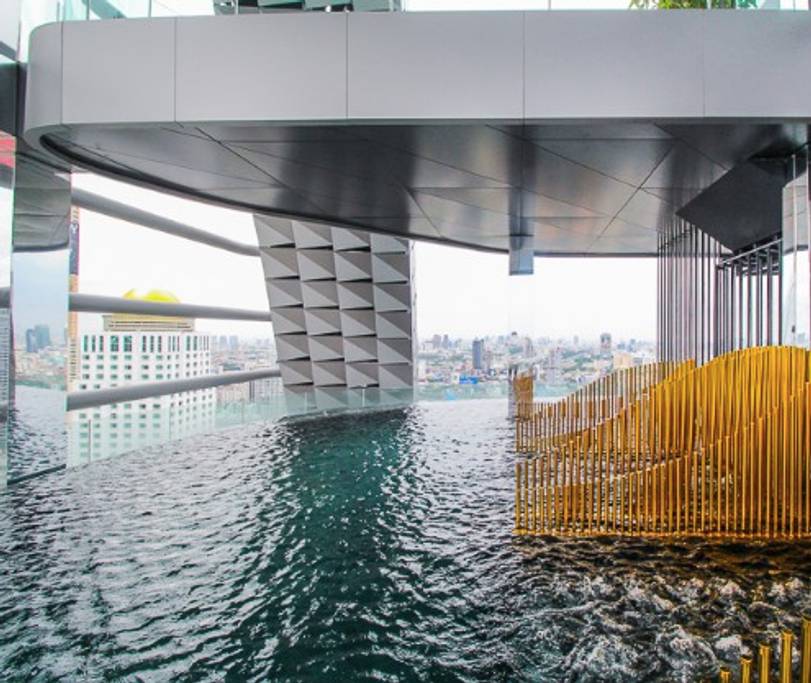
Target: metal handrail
[(92, 303), (79, 400), (108, 207)]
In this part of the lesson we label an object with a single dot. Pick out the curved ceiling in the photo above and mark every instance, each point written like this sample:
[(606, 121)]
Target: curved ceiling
[(600, 189)]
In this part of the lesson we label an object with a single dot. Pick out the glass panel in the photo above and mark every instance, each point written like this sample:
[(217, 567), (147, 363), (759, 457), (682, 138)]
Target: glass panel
[(179, 8), (119, 9), (34, 13), (9, 24)]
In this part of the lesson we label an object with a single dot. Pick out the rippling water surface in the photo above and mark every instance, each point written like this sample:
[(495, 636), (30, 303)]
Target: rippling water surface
[(372, 546)]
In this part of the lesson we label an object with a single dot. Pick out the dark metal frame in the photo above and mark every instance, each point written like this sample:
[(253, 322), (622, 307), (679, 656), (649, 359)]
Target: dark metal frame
[(711, 301)]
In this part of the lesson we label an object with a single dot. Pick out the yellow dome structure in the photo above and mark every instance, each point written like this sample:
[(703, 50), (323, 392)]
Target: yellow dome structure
[(156, 295), (140, 322)]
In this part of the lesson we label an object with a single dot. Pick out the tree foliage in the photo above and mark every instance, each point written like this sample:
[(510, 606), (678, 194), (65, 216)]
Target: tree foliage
[(693, 4)]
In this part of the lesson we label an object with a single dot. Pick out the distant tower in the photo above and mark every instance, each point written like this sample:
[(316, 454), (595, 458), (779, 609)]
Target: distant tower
[(478, 354), (30, 341), (605, 343), (43, 336)]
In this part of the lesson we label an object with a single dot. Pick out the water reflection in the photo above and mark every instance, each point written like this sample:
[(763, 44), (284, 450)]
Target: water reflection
[(38, 315)]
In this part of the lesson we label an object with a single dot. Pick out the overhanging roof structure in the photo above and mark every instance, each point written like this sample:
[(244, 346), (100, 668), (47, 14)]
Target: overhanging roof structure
[(583, 131)]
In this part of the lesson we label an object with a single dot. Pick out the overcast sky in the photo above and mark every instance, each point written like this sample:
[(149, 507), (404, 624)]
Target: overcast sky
[(459, 292)]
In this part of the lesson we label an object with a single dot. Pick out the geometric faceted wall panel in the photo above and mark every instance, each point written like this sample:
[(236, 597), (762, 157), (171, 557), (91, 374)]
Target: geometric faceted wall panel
[(341, 303)]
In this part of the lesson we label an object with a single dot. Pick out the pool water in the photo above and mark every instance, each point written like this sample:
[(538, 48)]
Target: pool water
[(371, 546)]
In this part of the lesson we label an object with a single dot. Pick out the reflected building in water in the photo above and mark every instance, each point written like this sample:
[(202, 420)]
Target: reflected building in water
[(134, 349)]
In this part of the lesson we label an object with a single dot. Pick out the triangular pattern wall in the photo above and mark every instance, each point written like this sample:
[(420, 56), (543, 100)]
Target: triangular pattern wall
[(342, 307)]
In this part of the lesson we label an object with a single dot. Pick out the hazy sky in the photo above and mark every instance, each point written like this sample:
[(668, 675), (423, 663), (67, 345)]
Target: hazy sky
[(459, 292)]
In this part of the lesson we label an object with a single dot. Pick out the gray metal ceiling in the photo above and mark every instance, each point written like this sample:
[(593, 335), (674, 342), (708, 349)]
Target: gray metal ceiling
[(581, 189)]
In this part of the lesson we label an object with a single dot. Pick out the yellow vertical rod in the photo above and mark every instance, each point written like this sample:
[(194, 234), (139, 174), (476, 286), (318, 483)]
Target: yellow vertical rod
[(703, 483), (746, 670), (526, 495), (535, 495), (807, 453), (760, 452), (764, 663), (727, 447), (541, 491), (786, 639), (743, 481), (517, 496), (637, 456), (784, 447), (566, 462), (678, 465)]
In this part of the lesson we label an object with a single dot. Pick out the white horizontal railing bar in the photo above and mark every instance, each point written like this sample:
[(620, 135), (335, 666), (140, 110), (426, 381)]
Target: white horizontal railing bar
[(79, 400), (125, 212), (93, 303)]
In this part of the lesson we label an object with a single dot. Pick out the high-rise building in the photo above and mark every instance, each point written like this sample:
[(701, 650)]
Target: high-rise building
[(37, 338), (233, 343), (478, 354), (43, 336), (30, 341), (136, 349), (605, 343)]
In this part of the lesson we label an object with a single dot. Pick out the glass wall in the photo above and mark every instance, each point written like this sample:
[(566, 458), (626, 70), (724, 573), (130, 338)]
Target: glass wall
[(39, 289), (9, 21), (7, 153)]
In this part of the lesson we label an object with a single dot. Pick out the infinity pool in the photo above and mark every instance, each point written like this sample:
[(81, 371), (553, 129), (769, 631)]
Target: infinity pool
[(374, 546)]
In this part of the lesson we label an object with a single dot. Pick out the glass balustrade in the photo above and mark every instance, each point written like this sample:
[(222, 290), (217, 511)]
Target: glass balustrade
[(37, 12), (117, 429)]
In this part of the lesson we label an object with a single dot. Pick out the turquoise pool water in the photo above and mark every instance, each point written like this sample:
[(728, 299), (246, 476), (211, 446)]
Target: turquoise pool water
[(357, 547)]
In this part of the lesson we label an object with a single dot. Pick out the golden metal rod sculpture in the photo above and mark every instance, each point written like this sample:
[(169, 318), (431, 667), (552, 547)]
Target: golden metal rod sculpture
[(720, 450)]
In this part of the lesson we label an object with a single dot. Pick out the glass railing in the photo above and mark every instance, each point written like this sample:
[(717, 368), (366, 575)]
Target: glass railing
[(37, 12), (100, 433)]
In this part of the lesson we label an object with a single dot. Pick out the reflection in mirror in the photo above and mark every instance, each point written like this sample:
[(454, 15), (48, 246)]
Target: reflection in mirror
[(6, 207), (39, 287)]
